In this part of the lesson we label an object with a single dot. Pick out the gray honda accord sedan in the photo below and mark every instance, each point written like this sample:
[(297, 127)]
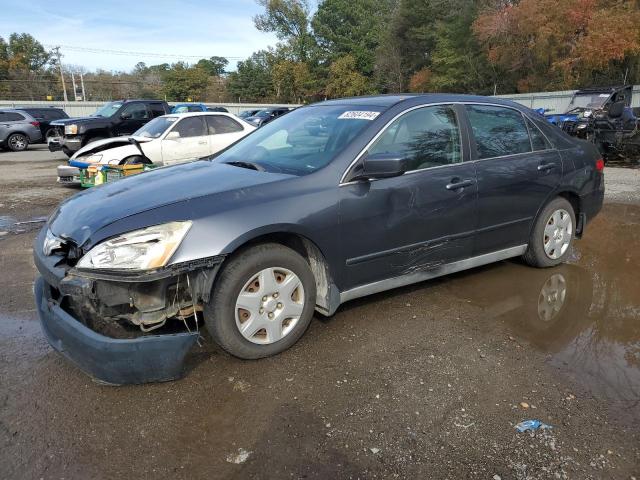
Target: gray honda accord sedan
[(331, 202)]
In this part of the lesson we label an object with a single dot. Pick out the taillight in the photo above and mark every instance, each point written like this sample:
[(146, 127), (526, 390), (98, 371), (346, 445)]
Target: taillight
[(35, 124), (600, 165)]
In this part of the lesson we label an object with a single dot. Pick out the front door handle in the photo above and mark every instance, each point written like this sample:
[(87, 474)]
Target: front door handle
[(202, 143), (543, 167), (457, 184)]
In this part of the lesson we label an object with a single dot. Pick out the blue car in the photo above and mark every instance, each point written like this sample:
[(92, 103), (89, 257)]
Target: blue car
[(196, 107)]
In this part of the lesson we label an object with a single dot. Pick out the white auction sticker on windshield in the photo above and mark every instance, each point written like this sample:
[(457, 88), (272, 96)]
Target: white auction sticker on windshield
[(359, 115), (604, 95)]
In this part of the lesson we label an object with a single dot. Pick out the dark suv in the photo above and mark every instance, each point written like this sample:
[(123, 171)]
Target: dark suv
[(329, 203), (18, 129), (46, 115), (122, 117)]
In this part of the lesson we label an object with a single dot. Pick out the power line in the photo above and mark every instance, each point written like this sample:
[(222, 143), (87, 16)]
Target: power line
[(72, 48)]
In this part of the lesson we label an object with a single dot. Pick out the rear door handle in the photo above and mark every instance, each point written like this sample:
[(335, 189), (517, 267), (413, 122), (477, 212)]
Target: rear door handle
[(543, 167), (457, 184), (202, 143)]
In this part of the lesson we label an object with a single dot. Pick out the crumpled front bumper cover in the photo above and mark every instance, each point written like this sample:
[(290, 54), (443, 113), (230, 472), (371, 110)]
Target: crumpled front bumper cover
[(154, 358)]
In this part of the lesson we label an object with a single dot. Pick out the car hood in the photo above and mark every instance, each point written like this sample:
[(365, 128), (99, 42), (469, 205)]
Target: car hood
[(78, 217), (69, 121), (100, 145)]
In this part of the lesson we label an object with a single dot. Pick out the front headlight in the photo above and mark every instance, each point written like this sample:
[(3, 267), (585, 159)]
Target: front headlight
[(143, 249), (71, 129)]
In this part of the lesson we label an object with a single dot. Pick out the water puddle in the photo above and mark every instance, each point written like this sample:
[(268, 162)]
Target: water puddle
[(585, 315), (10, 224)]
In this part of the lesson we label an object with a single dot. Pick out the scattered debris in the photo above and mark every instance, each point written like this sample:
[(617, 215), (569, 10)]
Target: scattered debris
[(240, 457), (524, 405), (374, 450), (531, 425)]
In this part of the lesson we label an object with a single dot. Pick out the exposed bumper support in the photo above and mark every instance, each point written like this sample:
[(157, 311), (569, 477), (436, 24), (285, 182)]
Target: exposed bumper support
[(153, 358)]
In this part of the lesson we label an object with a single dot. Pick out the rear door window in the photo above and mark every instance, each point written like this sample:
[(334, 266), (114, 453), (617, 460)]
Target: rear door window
[(190, 127), (13, 117), (498, 131), (219, 124), (428, 136), (157, 110), (138, 111)]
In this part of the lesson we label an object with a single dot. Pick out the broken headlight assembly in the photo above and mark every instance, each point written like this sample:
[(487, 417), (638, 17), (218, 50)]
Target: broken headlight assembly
[(145, 249)]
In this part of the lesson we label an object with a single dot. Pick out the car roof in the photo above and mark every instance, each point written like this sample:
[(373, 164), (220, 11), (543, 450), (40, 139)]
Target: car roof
[(196, 114), (19, 110), (387, 101)]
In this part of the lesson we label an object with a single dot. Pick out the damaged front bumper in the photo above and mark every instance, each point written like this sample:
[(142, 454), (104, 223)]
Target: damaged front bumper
[(102, 323), (154, 358)]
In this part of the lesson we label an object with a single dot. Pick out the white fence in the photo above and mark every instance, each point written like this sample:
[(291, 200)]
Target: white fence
[(82, 109), (557, 102)]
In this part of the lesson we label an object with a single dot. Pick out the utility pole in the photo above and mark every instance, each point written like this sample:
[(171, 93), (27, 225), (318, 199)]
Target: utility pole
[(84, 95), (64, 88), (75, 89)]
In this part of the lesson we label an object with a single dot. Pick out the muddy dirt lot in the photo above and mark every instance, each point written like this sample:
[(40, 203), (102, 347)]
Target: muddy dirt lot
[(421, 382)]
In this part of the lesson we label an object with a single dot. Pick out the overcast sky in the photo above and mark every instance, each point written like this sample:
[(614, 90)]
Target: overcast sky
[(183, 28)]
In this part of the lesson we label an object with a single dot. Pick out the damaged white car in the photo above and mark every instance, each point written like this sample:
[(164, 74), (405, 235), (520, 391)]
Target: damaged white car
[(165, 140)]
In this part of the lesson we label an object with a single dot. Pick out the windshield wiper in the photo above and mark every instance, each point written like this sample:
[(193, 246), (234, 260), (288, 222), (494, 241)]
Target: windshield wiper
[(249, 165)]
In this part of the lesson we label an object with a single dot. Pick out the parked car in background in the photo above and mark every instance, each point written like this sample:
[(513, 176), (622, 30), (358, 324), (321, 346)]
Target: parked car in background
[(46, 115), (18, 129), (195, 107), (165, 140), (267, 115), (122, 117), (249, 113), (332, 202)]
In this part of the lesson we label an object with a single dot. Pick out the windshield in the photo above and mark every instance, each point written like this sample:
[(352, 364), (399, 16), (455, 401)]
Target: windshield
[(302, 141), (155, 127), (108, 109), (590, 101), (263, 113)]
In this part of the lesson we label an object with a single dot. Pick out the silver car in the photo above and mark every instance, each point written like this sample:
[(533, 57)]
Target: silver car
[(18, 129)]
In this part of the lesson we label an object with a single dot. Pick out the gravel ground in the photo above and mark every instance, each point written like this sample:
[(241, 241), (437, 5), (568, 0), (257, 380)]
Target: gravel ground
[(421, 382)]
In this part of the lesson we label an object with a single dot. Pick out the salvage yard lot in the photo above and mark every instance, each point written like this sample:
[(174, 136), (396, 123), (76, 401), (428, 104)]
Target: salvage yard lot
[(421, 382)]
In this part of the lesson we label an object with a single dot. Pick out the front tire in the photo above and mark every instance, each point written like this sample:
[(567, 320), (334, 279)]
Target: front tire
[(18, 142), (552, 235), (262, 302)]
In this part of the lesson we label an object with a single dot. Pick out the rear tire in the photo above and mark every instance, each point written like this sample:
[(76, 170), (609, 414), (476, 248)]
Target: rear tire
[(552, 235), (17, 142), (262, 301)]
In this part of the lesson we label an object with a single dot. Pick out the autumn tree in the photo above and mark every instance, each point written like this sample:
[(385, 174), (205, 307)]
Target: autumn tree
[(291, 80), (344, 79), (546, 44)]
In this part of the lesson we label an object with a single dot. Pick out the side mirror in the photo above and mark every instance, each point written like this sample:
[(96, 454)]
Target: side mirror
[(172, 135), (125, 116), (383, 165)]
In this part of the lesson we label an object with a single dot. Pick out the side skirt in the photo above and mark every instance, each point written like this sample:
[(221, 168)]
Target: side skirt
[(428, 273)]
